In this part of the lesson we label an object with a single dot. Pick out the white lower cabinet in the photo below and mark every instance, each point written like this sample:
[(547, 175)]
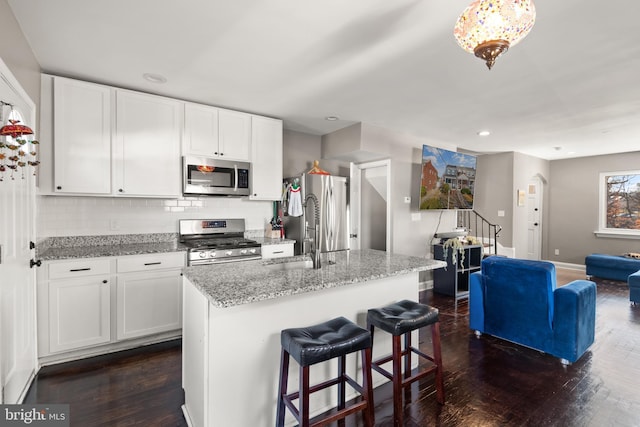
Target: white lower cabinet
[(149, 294), (79, 313), (148, 303), (94, 305)]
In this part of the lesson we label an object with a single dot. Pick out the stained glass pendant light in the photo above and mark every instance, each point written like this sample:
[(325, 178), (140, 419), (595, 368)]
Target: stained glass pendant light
[(487, 28)]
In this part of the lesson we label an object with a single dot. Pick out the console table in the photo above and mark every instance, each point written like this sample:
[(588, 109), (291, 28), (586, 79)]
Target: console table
[(453, 280)]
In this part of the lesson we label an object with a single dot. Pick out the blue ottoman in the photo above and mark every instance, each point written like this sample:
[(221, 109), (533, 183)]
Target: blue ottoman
[(634, 287), (612, 267)]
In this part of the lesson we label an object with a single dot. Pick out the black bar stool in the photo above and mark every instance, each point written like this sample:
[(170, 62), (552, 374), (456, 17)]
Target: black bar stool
[(400, 319), (332, 339)]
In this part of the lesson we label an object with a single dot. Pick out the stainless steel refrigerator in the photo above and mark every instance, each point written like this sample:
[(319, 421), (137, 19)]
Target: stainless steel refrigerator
[(333, 197)]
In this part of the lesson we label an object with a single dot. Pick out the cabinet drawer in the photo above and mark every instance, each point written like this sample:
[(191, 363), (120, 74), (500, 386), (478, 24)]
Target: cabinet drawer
[(150, 262), (79, 268), (277, 251)]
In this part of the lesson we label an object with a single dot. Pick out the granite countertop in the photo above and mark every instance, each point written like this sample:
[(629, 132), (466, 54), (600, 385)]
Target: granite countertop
[(227, 285), (92, 251), (69, 247)]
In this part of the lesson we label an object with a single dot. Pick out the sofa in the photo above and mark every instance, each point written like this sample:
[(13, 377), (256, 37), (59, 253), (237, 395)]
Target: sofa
[(517, 300), (634, 287), (614, 267)]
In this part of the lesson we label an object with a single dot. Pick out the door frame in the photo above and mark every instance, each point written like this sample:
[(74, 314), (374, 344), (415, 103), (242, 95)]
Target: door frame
[(7, 78), (356, 200)]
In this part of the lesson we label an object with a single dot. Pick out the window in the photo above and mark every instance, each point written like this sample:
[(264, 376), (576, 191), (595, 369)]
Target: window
[(619, 204)]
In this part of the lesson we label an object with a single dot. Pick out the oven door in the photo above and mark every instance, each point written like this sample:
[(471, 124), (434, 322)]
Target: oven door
[(203, 176)]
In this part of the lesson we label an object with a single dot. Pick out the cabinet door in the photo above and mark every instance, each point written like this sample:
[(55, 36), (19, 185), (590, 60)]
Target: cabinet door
[(148, 303), (79, 313), (82, 137), (234, 130), (148, 132), (200, 130), (266, 158)]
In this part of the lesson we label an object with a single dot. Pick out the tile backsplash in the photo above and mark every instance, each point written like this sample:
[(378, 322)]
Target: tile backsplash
[(81, 216)]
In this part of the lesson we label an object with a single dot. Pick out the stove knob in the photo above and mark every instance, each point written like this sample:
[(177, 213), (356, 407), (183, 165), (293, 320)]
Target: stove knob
[(243, 251), (212, 254), (229, 253), (202, 254), (253, 251)]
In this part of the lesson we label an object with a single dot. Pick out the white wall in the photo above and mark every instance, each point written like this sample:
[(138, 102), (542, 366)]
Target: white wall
[(17, 55), (88, 216)]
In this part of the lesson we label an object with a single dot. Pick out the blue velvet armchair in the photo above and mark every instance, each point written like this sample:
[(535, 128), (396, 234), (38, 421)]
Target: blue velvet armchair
[(517, 300)]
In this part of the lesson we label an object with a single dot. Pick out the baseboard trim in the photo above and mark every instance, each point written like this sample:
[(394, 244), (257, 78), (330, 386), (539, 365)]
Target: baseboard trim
[(569, 266), (426, 285)]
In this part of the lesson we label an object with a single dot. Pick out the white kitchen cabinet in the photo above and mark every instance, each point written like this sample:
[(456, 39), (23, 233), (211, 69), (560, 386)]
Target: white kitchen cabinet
[(149, 294), (277, 251), (147, 145), (234, 129), (216, 133), (200, 130), (82, 135), (266, 158), (79, 304)]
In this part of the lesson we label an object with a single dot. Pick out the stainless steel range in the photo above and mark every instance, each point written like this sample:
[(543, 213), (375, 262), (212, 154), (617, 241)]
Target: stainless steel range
[(213, 241)]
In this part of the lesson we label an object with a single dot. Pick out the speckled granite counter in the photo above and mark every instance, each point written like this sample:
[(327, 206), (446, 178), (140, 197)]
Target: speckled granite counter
[(228, 285), (69, 247)]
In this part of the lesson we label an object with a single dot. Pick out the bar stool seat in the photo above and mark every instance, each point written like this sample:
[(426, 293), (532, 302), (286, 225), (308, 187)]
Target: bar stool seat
[(400, 319), (318, 343)]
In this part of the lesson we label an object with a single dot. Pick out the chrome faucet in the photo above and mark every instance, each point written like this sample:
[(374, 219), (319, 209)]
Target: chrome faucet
[(315, 250)]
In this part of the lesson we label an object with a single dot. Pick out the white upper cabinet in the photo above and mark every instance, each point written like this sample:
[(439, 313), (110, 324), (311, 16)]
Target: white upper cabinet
[(266, 158), (147, 145), (98, 140), (234, 135), (82, 134), (200, 130), (216, 133)]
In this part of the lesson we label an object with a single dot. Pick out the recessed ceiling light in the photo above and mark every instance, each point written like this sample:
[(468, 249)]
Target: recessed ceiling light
[(332, 118), (484, 133), (558, 148), (154, 78)]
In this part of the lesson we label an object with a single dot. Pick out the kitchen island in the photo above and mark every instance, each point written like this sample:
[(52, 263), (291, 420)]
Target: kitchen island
[(233, 314)]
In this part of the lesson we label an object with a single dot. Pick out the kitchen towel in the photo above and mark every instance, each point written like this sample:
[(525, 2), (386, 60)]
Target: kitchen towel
[(295, 201)]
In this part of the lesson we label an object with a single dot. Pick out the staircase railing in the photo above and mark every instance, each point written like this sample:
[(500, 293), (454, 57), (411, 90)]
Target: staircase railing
[(480, 227)]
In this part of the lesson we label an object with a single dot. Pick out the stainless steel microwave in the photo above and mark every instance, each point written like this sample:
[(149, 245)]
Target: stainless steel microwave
[(214, 177)]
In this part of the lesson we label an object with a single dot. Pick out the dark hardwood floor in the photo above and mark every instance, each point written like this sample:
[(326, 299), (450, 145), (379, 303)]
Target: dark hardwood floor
[(488, 382)]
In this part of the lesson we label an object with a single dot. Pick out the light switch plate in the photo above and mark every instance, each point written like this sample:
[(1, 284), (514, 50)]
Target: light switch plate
[(416, 216), (500, 213), (407, 199)]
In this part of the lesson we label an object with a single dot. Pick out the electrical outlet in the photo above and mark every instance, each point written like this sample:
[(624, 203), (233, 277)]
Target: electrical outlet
[(114, 224), (557, 251), (407, 199)]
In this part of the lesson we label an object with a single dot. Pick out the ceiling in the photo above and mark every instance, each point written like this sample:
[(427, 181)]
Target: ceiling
[(570, 89)]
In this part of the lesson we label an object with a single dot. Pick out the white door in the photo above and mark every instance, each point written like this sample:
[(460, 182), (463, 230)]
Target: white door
[(370, 192), (17, 280), (534, 216)]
